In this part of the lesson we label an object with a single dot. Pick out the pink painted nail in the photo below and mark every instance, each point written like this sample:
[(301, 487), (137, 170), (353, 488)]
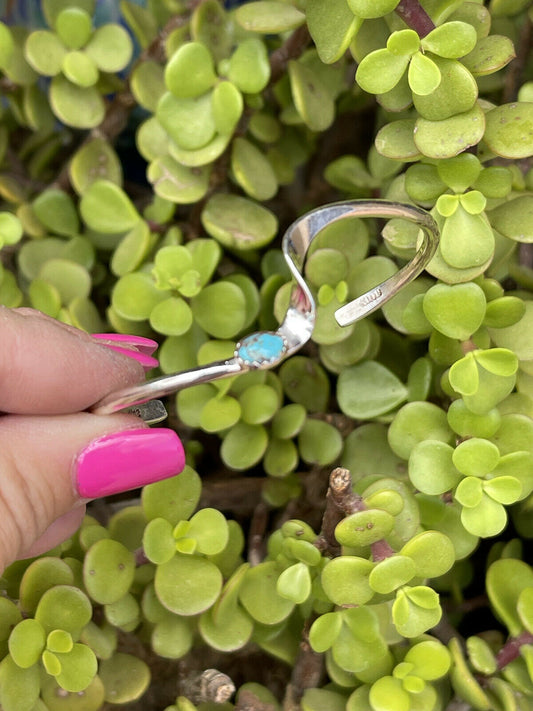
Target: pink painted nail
[(127, 460), (146, 361), (144, 345)]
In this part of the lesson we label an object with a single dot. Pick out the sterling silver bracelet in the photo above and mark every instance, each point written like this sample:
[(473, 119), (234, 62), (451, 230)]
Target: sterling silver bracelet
[(266, 349)]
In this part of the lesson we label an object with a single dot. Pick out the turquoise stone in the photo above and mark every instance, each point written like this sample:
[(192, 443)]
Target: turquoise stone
[(261, 349)]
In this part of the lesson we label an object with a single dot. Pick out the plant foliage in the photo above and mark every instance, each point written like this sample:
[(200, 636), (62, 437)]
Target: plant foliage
[(341, 517)]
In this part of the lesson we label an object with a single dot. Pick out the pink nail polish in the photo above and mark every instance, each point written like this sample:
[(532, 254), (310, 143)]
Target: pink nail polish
[(127, 460), (146, 361), (144, 345)]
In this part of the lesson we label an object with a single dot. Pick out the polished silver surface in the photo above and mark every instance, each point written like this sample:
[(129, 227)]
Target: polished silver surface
[(266, 349)]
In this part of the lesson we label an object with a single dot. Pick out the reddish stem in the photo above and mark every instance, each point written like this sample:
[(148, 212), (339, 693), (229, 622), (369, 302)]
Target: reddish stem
[(511, 649), (414, 15)]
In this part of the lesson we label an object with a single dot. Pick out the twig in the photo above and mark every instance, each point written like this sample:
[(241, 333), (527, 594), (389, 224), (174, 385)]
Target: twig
[(307, 673), (292, 48), (248, 701), (256, 537), (511, 649), (414, 15)]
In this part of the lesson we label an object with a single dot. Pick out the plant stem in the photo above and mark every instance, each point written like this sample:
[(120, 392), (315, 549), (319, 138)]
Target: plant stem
[(292, 48), (511, 649), (256, 537), (307, 673), (414, 15)]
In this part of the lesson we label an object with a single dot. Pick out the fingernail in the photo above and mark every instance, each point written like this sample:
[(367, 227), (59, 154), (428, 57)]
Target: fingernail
[(144, 345), (127, 460), (146, 361)]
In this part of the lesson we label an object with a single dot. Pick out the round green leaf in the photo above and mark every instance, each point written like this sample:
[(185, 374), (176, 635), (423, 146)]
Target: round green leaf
[(364, 527), (69, 278), (380, 71), (416, 422), (19, 688), (220, 323), (503, 489), (372, 8), (388, 694), (105, 207), (190, 71), (45, 52), (26, 643), (80, 69), (391, 573), (188, 121), (450, 136), (108, 571), (432, 553), (431, 467), (95, 160), (158, 541), (110, 47), (10, 228), (258, 593), (210, 530), (326, 628), (172, 638), (368, 390), (135, 295), (220, 413), (227, 105), (77, 106), (172, 499), (489, 55), (476, 457), (258, 404), (252, 170), (311, 97), (74, 26), (244, 446), (187, 585), (332, 28), (294, 583), (415, 610), (6, 45), (172, 317), (424, 75), (487, 518), (506, 580), (395, 140), (451, 40), (238, 223), (269, 17), (319, 442), (475, 251), (125, 678), (77, 668), (64, 607), (56, 210), (430, 658), (509, 130), (456, 311)]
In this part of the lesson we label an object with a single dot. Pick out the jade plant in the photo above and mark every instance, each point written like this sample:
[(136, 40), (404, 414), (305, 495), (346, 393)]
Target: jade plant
[(351, 530)]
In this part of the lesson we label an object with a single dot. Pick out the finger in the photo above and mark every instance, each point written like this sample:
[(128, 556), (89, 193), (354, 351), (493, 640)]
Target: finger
[(52, 464), (57, 532), (47, 367)]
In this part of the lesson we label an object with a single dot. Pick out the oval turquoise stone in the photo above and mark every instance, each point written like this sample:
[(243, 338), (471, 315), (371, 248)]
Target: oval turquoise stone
[(261, 348)]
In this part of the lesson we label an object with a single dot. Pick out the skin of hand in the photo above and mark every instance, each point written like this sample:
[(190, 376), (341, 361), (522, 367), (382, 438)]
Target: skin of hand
[(55, 456)]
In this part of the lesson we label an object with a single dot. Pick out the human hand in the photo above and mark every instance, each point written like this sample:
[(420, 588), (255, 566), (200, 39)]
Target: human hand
[(54, 456)]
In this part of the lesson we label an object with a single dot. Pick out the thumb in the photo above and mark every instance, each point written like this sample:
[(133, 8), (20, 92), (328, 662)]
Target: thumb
[(50, 465)]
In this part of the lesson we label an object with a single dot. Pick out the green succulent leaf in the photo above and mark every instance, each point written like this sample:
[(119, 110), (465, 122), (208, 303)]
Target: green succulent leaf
[(332, 32), (26, 643), (187, 584), (108, 571), (105, 207), (442, 305), (259, 596), (311, 97), (110, 47), (507, 578), (368, 390), (452, 39), (509, 130), (415, 610), (19, 688), (64, 607), (190, 71), (76, 106), (269, 17), (380, 71), (125, 677)]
